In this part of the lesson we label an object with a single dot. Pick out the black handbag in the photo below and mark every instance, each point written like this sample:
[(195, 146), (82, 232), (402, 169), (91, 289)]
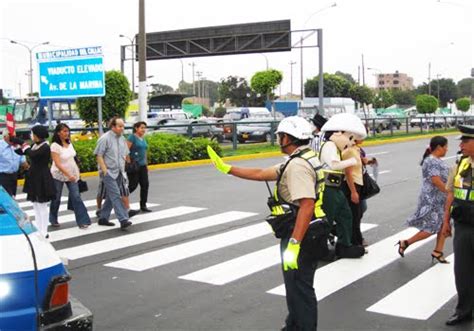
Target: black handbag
[(370, 187), (132, 166), (82, 186)]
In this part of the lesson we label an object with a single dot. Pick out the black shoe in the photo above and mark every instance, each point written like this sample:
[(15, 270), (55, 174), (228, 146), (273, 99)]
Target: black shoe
[(349, 252), (125, 224), (97, 213), (105, 222), (457, 319), (132, 212), (145, 209)]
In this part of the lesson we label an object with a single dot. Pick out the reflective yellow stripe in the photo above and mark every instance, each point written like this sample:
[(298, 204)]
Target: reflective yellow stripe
[(460, 193)]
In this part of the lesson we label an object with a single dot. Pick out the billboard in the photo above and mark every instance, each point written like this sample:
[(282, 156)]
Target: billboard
[(71, 73)]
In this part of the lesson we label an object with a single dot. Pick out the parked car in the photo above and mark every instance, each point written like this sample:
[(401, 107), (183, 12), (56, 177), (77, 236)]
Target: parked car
[(200, 128), (34, 283), (430, 120), (253, 131)]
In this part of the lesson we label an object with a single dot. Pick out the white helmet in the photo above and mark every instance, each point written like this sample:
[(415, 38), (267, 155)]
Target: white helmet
[(346, 122), (295, 126)]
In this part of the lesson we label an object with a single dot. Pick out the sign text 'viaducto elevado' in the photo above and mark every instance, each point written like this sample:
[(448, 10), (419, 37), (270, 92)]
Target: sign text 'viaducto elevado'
[(76, 72)]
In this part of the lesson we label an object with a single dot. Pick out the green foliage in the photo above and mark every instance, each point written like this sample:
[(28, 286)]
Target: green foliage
[(220, 112), (463, 104), (447, 90), (466, 87), (185, 88), (383, 99), (187, 101), (403, 97), (334, 86), (264, 82), (426, 104), (159, 89), (206, 111), (346, 76), (361, 94), (162, 148), (114, 103), (236, 89)]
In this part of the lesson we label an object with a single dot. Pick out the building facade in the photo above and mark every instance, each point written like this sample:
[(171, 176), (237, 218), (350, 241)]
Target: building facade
[(396, 81)]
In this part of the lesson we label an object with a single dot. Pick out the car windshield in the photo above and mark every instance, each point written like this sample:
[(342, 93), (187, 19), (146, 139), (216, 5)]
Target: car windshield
[(25, 111), (8, 205)]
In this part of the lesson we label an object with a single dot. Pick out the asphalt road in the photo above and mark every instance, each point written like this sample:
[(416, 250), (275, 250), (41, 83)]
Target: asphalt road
[(204, 259)]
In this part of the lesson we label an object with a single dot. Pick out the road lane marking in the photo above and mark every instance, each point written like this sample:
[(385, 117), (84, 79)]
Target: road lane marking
[(384, 172), (143, 218), (63, 207), (183, 251), (243, 266), (377, 153), (133, 239), (26, 204), (72, 218), (436, 286), (337, 275)]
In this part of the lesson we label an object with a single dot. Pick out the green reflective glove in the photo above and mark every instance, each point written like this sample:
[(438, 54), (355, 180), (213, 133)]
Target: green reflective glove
[(290, 256), (218, 163)]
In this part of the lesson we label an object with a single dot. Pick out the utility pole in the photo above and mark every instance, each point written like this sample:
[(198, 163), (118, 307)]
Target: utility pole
[(291, 76), (429, 78), (192, 64), (363, 71), (142, 89), (437, 83), (199, 74)]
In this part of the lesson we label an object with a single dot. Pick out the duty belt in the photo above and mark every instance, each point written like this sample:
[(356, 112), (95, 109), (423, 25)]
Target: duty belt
[(463, 194)]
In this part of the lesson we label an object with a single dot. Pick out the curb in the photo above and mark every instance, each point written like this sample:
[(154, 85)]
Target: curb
[(194, 163)]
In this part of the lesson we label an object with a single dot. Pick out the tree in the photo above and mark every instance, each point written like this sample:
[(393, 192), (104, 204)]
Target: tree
[(383, 99), (185, 88), (466, 87), (238, 92), (334, 86), (463, 104), (114, 103), (403, 97), (206, 111), (264, 82), (220, 112), (426, 104), (346, 76), (159, 89), (361, 94), (447, 90)]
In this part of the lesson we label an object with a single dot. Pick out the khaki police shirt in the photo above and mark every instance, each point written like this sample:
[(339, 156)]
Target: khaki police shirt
[(298, 180), (452, 173)]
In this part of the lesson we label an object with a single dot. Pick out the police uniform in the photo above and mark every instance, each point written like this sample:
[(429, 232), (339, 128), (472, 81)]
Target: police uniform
[(297, 179), (461, 184)]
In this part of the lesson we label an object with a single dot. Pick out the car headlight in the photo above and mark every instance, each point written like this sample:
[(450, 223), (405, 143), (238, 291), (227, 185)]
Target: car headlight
[(4, 289), (258, 132)]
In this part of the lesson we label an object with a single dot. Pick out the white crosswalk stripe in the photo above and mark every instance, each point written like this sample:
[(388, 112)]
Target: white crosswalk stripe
[(63, 207), (436, 288), (180, 252), (150, 217), (243, 266), (151, 235), (337, 275)]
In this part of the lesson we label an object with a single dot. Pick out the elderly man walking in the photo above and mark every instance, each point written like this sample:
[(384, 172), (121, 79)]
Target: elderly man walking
[(10, 162), (111, 152)]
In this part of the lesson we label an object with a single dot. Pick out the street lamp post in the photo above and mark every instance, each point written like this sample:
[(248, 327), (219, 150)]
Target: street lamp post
[(291, 63), (30, 50), (132, 42), (301, 44), (192, 64), (266, 60)]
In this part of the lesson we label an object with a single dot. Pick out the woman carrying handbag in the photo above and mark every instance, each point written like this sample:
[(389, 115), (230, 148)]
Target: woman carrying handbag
[(137, 171), (66, 171)]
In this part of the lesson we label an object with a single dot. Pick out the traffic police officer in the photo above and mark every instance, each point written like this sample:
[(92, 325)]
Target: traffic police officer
[(460, 207), (299, 185)]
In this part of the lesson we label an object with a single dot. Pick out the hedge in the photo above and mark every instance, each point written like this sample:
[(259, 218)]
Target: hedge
[(162, 148)]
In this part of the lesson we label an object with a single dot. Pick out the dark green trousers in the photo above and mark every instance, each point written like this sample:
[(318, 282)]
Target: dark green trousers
[(337, 211)]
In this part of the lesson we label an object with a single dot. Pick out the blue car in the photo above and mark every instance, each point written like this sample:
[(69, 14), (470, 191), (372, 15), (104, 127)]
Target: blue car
[(34, 283)]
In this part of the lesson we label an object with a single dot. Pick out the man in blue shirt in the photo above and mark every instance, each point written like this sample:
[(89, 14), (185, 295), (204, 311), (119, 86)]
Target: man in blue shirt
[(9, 163)]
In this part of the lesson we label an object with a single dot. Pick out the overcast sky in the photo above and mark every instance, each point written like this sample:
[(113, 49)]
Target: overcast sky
[(403, 35)]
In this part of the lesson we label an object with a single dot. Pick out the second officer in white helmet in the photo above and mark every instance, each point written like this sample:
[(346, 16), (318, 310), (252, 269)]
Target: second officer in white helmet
[(297, 218)]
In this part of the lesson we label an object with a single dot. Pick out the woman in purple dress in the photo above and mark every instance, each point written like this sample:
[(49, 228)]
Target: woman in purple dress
[(428, 217)]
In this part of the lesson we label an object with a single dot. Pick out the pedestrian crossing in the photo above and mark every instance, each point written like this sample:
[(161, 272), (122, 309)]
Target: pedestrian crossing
[(221, 231)]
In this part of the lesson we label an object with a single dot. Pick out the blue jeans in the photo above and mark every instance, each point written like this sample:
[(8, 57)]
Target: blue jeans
[(113, 199), (80, 210)]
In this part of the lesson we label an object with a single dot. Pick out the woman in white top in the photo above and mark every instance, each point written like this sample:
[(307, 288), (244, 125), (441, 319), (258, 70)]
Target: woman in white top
[(65, 171)]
